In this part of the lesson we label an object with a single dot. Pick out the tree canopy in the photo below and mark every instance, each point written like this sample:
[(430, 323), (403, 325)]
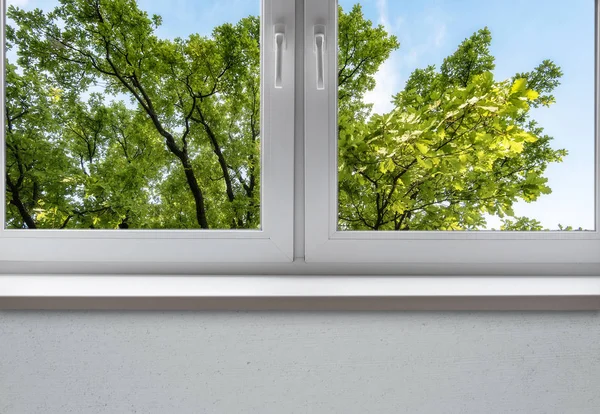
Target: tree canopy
[(110, 126)]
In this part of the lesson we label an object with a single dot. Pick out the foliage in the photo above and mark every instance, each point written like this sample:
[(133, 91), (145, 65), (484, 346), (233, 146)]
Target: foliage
[(110, 126), (458, 145), (522, 224)]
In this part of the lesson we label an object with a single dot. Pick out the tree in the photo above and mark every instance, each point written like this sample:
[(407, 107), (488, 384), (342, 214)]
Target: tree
[(192, 92), (34, 155), (458, 145), (110, 126)]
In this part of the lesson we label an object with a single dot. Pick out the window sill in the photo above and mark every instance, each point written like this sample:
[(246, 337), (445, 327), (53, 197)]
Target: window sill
[(299, 292)]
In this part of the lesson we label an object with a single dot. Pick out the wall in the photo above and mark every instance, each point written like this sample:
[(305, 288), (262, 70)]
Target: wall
[(111, 362)]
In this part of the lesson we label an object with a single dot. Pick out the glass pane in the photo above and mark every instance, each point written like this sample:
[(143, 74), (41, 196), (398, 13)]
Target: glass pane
[(466, 115), (132, 114)]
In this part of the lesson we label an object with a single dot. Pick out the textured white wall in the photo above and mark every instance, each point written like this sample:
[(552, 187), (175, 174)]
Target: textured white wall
[(111, 362)]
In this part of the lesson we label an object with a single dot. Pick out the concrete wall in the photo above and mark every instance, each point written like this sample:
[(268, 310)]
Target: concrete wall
[(163, 363)]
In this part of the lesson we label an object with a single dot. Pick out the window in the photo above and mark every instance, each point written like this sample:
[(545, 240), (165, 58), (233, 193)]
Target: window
[(131, 134), (418, 172), (301, 149)]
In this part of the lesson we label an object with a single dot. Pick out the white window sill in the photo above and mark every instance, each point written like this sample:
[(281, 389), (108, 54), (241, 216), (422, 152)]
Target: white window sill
[(300, 292)]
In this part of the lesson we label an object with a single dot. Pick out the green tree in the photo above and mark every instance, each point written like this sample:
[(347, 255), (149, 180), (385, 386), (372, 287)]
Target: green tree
[(200, 95), (110, 126), (35, 156), (458, 145)]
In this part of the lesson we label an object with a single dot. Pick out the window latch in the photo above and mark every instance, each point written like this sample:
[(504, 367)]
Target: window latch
[(320, 51), (280, 46)]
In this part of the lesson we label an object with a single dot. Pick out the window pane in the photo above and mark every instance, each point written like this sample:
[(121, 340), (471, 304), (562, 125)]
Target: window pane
[(132, 114), (466, 115)]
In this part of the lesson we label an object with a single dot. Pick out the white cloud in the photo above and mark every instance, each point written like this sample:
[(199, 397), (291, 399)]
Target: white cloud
[(388, 81), (392, 73), (382, 11), (387, 78), (440, 35)]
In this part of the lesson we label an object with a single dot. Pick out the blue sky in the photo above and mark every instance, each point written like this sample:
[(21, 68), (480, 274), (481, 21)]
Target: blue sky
[(525, 32)]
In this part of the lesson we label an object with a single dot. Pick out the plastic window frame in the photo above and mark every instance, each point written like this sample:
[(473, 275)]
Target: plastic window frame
[(332, 284), (272, 243), (580, 251)]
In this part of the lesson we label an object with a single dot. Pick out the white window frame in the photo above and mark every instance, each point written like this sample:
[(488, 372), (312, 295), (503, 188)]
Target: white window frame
[(329, 271), (580, 251), (273, 243)]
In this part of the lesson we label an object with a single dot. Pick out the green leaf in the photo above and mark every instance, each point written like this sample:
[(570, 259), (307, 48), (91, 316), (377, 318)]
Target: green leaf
[(519, 86), (531, 94), (423, 149), (424, 162), (387, 165)]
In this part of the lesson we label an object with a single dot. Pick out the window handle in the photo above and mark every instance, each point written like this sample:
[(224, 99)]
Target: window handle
[(279, 44), (320, 51)]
